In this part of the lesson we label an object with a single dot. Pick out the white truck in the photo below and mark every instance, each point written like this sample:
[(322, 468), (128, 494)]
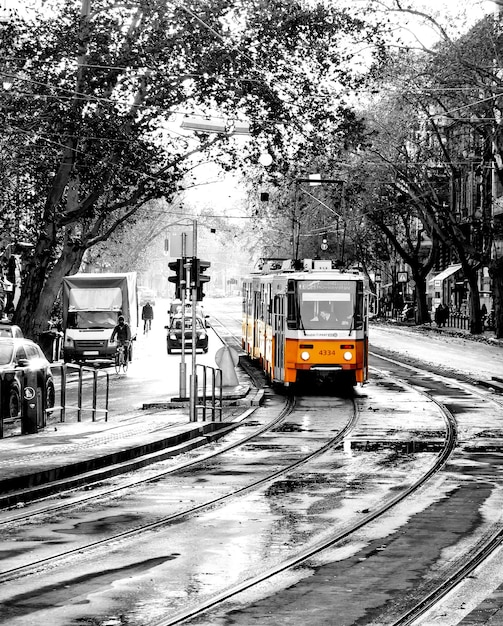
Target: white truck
[(92, 304)]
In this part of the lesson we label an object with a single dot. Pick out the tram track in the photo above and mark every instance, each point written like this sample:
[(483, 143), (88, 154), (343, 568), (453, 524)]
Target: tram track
[(465, 568), (483, 549), (224, 597), (82, 550), (304, 556)]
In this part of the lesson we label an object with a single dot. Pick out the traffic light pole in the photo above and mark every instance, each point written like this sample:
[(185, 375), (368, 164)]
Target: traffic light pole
[(183, 365), (193, 291)]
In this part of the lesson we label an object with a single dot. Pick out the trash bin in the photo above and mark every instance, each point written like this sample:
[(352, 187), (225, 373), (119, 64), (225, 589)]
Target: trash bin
[(50, 342)]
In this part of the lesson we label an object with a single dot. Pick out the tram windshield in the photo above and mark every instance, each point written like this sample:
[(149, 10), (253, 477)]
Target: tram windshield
[(329, 304)]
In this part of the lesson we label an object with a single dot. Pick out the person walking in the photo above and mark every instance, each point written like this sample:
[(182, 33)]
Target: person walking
[(445, 315), (147, 315), (439, 311)]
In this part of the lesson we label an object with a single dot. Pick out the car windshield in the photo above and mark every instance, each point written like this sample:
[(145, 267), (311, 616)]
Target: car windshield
[(92, 319), (177, 324), (5, 353)]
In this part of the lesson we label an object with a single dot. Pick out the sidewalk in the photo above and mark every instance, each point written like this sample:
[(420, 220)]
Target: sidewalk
[(87, 451), (479, 357)]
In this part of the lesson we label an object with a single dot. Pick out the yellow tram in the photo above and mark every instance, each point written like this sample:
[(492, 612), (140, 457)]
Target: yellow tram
[(308, 321)]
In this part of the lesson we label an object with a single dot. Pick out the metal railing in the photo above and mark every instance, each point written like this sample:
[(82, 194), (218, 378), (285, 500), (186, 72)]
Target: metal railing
[(79, 406), (33, 415), (213, 402), (457, 320)]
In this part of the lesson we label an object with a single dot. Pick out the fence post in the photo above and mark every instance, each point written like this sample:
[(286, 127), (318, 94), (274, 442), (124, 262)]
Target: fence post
[(95, 393), (79, 397), (62, 411), (107, 396)]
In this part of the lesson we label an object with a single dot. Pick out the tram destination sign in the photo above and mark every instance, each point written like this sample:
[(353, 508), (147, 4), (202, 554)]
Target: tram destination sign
[(326, 286)]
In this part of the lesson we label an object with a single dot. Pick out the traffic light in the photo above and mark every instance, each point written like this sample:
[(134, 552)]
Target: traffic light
[(197, 276), (179, 279)]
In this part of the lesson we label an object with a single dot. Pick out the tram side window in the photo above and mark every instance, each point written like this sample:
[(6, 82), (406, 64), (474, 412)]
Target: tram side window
[(359, 306), (268, 305), (291, 319)]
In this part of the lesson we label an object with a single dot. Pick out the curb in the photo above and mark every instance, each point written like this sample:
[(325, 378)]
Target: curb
[(45, 482)]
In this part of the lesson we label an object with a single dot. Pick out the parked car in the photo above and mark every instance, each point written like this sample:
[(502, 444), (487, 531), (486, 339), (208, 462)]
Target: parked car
[(17, 358), (175, 334), (10, 330)]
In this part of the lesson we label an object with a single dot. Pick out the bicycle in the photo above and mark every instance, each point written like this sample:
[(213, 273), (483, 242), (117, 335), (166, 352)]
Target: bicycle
[(121, 359)]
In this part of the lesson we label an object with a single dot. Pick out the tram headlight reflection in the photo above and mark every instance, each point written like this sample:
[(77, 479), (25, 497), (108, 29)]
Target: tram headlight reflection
[(348, 356), (305, 356)]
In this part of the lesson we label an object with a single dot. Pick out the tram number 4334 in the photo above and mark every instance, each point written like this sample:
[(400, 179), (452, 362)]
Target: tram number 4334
[(327, 352)]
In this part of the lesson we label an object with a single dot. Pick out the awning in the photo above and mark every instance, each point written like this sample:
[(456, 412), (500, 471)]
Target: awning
[(452, 269)]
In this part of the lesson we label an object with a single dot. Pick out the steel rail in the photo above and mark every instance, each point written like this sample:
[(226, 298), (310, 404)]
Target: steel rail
[(448, 448), (478, 554), (29, 568)]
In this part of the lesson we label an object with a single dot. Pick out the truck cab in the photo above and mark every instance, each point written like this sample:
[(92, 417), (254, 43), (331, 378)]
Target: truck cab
[(92, 304)]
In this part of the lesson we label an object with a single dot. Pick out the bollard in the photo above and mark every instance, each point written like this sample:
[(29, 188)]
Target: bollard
[(31, 406)]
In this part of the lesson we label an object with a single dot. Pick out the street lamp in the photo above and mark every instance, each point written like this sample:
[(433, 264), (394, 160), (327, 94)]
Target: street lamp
[(265, 159)]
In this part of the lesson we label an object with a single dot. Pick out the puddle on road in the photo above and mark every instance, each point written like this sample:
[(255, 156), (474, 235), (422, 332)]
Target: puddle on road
[(291, 427), (99, 526), (372, 445)]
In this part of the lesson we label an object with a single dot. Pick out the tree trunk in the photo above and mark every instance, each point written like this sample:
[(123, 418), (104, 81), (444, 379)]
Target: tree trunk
[(423, 315), (40, 291)]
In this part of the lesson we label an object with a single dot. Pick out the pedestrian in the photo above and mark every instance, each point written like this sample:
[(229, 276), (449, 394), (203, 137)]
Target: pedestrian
[(439, 314), (445, 315), (147, 315)]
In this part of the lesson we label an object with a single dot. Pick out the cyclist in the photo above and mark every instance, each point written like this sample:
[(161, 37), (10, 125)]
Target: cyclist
[(147, 315), (123, 334)]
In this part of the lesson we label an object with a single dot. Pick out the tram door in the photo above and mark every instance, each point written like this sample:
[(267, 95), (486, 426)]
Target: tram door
[(279, 326), (255, 330)]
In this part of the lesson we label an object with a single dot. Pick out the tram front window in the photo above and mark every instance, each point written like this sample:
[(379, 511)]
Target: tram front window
[(326, 304)]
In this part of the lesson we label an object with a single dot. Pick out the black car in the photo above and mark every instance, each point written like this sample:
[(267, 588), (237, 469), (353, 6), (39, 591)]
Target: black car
[(18, 358), (174, 338)]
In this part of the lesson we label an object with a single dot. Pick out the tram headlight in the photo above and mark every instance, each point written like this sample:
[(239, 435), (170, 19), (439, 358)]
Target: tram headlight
[(348, 356), (305, 356)]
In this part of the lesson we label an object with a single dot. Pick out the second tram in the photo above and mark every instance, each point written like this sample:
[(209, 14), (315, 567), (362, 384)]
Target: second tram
[(310, 321)]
